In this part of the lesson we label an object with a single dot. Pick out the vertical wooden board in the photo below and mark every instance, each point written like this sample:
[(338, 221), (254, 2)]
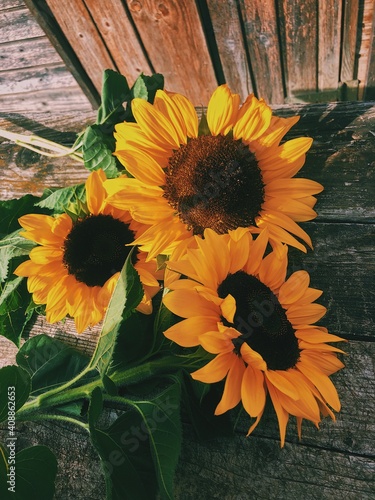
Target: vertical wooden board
[(172, 35), (112, 20), (368, 27), (370, 85), (349, 40), (300, 31), (260, 24), (82, 34), (329, 39), (229, 38)]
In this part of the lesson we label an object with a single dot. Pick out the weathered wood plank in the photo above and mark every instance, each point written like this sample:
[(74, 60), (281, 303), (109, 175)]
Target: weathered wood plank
[(79, 29), (11, 4), (18, 25), (172, 35), (370, 88), (58, 100), (27, 54), (36, 78), (341, 157), (329, 38), (112, 20), (342, 265), (300, 31), (228, 33), (260, 24), (349, 40), (368, 27), (43, 15)]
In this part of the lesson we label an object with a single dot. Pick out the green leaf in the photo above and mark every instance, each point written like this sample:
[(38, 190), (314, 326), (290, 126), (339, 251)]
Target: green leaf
[(14, 390), (49, 362), (139, 89), (144, 87), (115, 91), (140, 450), (14, 309), (11, 210), (97, 151), (134, 341), (59, 199), (147, 86), (127, 295), (35, 472), (161, 422), (12, 246)]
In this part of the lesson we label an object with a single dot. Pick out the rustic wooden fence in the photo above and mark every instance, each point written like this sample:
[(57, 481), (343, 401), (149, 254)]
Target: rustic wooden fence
[(283, 50)]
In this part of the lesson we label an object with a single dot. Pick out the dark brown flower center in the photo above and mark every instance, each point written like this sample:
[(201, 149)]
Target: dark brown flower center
[(214, 182), (95, 250), (261, 320)]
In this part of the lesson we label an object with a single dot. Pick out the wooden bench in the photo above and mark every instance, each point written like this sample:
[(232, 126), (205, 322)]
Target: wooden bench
[(338, 460)]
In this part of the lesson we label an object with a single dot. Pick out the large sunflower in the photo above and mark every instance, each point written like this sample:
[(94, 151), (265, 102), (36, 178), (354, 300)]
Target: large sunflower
[(260, 328), (232, 171), (77, 263)]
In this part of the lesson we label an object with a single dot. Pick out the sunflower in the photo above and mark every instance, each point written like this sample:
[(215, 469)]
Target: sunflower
[(229, 172), (258, 326), (75, 267)]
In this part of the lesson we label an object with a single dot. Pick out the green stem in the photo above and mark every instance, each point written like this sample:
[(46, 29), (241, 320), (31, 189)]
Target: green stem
[(66, 394), (61, 418)]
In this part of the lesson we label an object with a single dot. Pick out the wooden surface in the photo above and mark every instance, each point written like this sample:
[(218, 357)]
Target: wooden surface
[(338, 461), (32, 74), (286, 51)]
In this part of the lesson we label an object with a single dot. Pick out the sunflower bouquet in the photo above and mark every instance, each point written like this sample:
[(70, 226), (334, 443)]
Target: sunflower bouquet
[(177, 246)]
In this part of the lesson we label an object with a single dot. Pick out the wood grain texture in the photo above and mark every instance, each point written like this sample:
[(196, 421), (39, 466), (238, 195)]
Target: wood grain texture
[(229, 38), (348, 49), (261, 29), (365, 46), (329, 39), (17, 25), (338, 461), (112, 20), (300, 28), (27, 54), (173, 38), (81, 32)]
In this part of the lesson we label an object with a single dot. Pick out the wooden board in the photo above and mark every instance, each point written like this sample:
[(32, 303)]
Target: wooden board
[(329, 38), (15, 23), (227, 26), (81, 32), (262, 39), (28, 54), (173, 37), (112, 19), (300, 31)]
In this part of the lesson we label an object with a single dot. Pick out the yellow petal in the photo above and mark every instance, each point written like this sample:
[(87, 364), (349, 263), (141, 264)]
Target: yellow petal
[(232, 387), (154, 124), (188, 303), (187, 332), (253, 392), (165, 104), (282, 414), (188, 112), (216, 369), (294, 288), (222, 110), (95, 192)]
